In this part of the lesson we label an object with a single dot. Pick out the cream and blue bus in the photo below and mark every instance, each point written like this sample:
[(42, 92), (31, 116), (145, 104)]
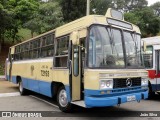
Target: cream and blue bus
[(94, 61)]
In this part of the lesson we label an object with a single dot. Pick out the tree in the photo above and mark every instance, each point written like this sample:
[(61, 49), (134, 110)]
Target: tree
[(34, 24), (72, 9), (48, 17), (5, 22), (146, 20), (156, 8), (25, 9), (101, 6)]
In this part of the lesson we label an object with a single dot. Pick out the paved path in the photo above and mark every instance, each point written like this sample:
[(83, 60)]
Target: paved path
[(10, 100)]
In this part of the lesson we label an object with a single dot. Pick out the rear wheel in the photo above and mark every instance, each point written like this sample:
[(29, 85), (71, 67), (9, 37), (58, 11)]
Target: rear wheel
[(22, 90), (62, 100)]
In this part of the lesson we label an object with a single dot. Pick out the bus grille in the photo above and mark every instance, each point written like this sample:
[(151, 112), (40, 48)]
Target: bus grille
[(121, 82)]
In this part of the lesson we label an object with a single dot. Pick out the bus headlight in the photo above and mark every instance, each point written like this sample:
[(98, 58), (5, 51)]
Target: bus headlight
[(144, 81), (106, 84)]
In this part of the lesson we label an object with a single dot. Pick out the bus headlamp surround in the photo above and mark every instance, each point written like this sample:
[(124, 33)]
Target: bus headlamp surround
[(106, 84), (144, 81)]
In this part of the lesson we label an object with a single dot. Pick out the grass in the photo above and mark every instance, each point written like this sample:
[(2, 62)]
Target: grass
[(25, 35)]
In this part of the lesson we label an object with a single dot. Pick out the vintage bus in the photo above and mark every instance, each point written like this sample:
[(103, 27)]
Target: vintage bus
[(94, 61), (151, 57)]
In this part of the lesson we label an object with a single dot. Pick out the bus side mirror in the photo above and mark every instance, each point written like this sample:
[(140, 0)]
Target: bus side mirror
[(75, 38), (144, 46)]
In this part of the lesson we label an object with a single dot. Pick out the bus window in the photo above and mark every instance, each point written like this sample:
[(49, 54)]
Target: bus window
[(61, 56), (76, 61), (47, 46), (148, 57)]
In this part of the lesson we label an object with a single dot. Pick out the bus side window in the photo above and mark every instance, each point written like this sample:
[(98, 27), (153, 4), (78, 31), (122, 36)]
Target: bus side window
[(83, 47), (47, 46), (61, 56)]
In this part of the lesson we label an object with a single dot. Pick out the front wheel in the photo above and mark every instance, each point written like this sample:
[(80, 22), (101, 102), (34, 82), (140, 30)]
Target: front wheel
[(63, 103), (151, 94), (22, 90)]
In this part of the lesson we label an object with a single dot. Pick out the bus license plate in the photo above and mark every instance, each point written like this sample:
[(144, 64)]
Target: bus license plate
[(131, 98)]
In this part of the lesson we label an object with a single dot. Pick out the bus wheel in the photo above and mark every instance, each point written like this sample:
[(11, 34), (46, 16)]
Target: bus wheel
[(22, 90), (151, 93), (63, 103)]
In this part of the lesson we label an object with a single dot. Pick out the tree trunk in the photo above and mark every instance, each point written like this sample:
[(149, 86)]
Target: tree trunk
[(0, 41), (0, 45), (32, 33)]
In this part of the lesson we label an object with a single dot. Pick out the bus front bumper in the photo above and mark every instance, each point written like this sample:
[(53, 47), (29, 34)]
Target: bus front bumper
[(115, 100)]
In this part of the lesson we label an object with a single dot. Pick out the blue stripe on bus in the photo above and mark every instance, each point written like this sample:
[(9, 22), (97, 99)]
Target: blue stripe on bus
[(91, 101), (39, 86), (68, 92), (14, 80)]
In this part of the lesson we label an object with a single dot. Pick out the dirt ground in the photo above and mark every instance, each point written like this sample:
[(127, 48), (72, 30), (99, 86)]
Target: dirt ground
[(7, 87)]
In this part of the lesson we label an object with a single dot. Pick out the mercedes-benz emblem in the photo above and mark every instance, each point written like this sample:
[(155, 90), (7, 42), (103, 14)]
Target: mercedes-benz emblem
[(128, 82)]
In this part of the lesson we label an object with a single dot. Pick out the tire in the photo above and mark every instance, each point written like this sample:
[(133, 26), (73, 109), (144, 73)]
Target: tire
[(158, 93), (62, 101), (22, 90), (151, 94)]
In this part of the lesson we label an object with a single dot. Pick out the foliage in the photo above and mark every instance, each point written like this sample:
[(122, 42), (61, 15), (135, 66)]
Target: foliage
[(146, 20), (72, 9), (48, 17), (39, 16), (156, 8), (101, 6)]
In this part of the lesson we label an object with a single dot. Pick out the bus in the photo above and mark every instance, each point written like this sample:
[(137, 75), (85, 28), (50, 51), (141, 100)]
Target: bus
[(151, 57), (94, 61)]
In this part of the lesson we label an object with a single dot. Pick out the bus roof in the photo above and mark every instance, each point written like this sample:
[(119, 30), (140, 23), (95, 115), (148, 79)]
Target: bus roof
[(152, 40), (82, 23), (86, 21)]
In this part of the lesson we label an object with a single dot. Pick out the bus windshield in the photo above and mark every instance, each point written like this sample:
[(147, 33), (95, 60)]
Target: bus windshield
[(113, 48)]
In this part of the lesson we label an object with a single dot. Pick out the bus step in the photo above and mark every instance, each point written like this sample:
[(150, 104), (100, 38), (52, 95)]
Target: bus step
[(79, 103)]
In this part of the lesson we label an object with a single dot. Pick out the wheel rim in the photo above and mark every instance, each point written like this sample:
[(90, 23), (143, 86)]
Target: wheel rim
[(63, 98), (20, 87)]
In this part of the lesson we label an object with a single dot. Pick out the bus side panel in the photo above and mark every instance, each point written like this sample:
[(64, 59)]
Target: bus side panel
[(33, 85), (44, 75), (38, 86), (62, 76), (45, 88)]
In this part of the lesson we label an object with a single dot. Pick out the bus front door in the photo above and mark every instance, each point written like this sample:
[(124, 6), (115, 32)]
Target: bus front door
[(75, 72), (157, 66)]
